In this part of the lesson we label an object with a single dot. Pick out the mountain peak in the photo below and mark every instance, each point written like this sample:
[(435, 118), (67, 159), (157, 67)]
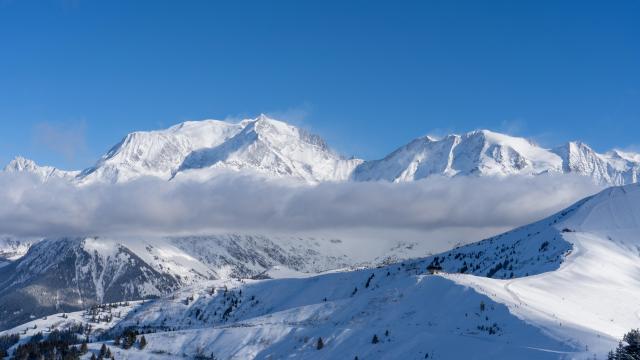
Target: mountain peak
[(478, 152), (160, 152), (273, 147), (20, 163), (263, 117)]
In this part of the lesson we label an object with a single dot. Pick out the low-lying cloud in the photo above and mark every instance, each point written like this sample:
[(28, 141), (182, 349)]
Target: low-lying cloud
[(248, 204)]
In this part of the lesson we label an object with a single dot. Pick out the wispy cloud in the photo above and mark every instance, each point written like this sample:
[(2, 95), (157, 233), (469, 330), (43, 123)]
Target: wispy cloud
[(514, 127), (65, 139), (295, 115)]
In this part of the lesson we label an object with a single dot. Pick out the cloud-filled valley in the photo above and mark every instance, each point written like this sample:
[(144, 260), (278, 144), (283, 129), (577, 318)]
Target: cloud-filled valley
[(450, 207)]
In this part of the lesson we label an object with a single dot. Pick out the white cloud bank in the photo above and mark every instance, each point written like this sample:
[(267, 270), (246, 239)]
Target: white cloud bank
[(459, 209)]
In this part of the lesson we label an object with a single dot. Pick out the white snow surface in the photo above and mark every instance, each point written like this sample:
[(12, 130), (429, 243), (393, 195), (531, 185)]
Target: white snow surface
[(487, 153), (566, 287), (268, 147), (157, 153), (275, 148)]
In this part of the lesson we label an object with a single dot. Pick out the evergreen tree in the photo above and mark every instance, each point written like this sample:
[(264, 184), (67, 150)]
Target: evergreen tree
[(320, 344), (630, 351), (103, 350), (632, 338), (375, 339), (143, 342), (93, 357), (84, 348), (620, 352), (129, 339)]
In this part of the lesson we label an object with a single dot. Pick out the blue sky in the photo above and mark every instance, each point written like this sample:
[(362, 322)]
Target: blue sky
[(75, 76)]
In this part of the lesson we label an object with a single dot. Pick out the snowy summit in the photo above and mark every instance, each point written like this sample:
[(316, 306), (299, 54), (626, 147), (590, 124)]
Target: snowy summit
[(272, 148)]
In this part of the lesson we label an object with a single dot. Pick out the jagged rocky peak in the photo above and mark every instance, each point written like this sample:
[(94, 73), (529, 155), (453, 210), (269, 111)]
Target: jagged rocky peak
[(21, 164), (612, 168)]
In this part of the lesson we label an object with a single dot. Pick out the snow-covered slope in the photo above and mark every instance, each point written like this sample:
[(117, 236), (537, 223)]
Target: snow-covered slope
[(205, 148), (73, 273), (412, 317), (158, 153), (615, 167), (574, 276), (583, 265), (565, 287), (485, 152), (274, 148), (20, 164), (476, 153), (70, 274)]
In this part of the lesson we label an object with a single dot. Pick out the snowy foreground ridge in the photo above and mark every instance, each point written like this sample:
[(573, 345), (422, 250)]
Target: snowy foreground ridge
[(566, 287), (202, 149)]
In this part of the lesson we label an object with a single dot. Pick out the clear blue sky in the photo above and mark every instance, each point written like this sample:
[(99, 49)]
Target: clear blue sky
[(75, 76)]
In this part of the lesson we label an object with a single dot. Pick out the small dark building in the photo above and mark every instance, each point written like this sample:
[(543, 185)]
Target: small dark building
[(434, 268)]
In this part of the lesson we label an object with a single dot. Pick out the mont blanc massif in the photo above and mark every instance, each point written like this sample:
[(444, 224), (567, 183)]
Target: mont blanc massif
[(566, 286)]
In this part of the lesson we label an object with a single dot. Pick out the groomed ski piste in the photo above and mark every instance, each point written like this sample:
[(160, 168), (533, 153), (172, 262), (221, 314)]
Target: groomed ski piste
[(566, 287)]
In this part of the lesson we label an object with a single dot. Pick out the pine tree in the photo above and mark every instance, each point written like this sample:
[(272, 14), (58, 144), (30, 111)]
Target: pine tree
[(620, 352), (103, 350), (631, 351), (375, 339), (93, 357), (320, 344), (108, 354), (632, 338), (143, 342), (84, 348)]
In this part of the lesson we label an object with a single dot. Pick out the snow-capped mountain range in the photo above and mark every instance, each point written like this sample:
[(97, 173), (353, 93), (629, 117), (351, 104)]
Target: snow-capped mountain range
[(536, 282), (486, 153), (565, 287), (201, 149), (67, 274)]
